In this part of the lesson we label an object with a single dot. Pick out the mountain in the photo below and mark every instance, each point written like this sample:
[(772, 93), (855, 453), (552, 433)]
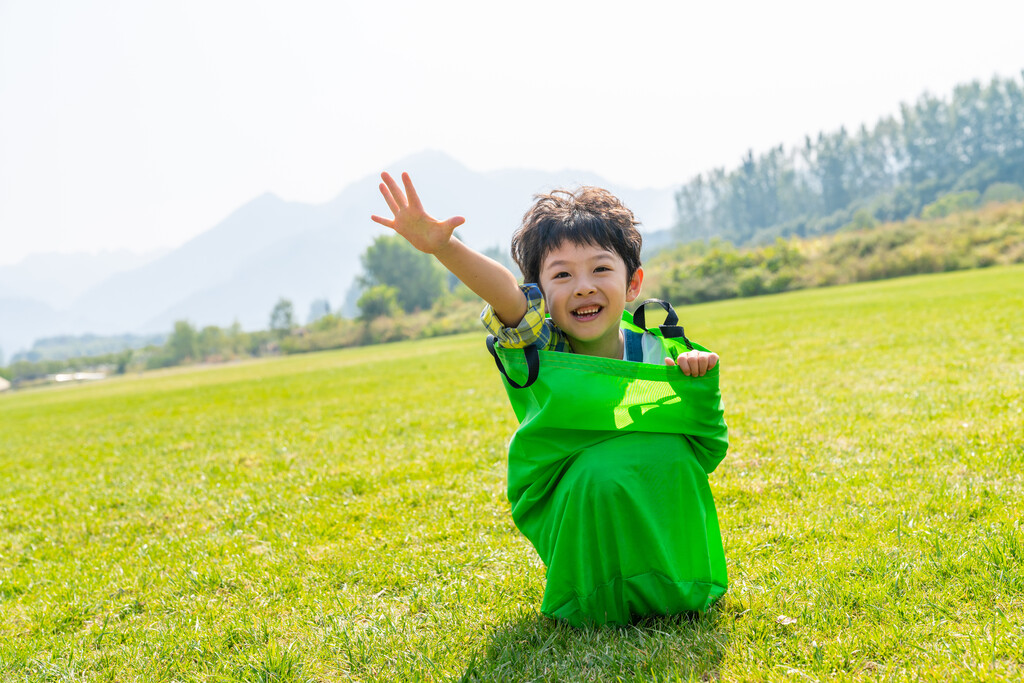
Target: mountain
[(37, 292), (22, 321), (56, 279), (271, 248), (125, 301)]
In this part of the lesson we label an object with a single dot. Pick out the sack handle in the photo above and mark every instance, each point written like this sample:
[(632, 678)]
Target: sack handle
[(670, 329), (640, 320), (532, 364)]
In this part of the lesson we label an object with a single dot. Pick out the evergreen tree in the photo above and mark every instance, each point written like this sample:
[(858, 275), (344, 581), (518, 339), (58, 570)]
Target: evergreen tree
[(935, 147)]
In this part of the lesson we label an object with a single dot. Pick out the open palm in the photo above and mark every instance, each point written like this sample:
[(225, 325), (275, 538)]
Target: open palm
[(411, 221)]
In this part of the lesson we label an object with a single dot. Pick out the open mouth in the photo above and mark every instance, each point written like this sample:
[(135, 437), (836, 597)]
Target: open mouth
[(585, 313)]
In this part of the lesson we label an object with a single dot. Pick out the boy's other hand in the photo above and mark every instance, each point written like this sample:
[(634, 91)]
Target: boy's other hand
[(411, 221), (694, 363)]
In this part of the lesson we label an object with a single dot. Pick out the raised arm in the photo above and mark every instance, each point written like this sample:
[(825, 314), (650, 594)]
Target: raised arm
[(490, 280)]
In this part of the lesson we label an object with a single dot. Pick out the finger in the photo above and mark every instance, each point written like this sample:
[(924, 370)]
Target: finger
[(669, 362), (392, 204), (712, 360), (684, 366), (383, 221), (455, 222), (694, 364), (414, 198), (702, 365), (396, 191)]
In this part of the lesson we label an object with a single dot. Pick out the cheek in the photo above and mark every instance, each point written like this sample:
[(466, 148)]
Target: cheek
[(552, 294), (557, 298), (613, 283)]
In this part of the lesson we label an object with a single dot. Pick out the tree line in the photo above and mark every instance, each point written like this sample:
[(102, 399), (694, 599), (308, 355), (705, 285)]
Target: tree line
[(962, 150)]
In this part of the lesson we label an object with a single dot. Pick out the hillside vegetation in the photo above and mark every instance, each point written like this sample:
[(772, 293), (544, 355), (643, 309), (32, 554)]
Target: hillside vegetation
[(342, 515), (693, 273), (992, 235)]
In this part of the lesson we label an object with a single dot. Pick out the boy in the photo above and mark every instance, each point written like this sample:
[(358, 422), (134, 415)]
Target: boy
[(607, 472), (580, 257)]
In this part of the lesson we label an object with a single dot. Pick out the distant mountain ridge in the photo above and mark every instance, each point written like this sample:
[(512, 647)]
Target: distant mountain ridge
[(271, 248), (56, 278)]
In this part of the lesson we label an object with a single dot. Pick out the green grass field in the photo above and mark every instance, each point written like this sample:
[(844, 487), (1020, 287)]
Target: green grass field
[(342, 515)]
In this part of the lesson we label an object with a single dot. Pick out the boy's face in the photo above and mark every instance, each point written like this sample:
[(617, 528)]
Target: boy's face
[(586, 290)]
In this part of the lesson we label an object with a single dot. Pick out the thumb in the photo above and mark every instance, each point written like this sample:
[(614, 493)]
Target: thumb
[(455, 222)]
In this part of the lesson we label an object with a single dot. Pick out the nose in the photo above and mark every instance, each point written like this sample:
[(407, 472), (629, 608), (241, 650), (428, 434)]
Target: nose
[(583, 287)]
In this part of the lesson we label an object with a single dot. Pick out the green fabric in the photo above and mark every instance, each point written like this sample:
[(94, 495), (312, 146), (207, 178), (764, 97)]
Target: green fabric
[(607, 477)]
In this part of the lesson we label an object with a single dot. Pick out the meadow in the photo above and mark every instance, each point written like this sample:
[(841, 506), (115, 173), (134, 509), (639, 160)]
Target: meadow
[(342, 515)]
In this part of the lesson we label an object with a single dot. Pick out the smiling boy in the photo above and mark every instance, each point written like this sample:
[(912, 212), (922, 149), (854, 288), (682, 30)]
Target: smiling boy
[(607, 473), (580, 257)]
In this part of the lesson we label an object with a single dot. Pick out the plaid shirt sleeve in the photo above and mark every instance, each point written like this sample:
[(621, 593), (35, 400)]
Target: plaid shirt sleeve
[(535, 329)]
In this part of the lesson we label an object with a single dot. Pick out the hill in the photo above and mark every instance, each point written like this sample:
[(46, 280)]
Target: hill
[(271, 248), (709, 271)]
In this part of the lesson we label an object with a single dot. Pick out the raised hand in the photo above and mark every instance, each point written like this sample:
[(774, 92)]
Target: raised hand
[(411, 221), (694, 363)]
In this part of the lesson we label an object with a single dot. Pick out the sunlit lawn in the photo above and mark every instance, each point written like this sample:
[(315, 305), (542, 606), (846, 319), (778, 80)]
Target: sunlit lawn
[(342, 515)]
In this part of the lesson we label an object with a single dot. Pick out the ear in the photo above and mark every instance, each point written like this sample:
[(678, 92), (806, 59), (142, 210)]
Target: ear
[(634, 284)]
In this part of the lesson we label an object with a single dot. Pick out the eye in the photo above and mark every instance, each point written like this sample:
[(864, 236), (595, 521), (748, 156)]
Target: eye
[(602, 269), (560, 275)]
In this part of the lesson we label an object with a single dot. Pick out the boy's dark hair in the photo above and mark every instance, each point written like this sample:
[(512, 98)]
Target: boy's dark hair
[(590, 215)]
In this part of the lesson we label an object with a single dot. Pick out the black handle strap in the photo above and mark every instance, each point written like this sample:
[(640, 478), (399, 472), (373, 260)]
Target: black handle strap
[(670, 329), (640, 319), (532, 364)]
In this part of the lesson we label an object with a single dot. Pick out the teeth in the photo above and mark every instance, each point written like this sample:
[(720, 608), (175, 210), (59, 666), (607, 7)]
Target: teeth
[(587, 311)]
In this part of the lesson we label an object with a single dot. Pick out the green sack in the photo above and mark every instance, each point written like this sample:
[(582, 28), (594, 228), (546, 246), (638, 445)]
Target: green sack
[(607, 478)]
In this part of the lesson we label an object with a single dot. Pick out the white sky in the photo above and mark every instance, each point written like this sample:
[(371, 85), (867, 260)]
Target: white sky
[(141, 124)]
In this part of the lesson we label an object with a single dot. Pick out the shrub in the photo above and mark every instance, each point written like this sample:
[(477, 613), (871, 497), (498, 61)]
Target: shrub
[(379, 301), (781, 281), (1002, 192), (951, 203), (752, 283)]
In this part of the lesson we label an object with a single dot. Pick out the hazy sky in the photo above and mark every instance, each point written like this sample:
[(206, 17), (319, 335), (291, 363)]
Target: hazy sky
[(141, 124)]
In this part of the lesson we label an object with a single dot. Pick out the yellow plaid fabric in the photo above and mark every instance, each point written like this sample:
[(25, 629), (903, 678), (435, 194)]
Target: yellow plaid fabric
[(535, 329)]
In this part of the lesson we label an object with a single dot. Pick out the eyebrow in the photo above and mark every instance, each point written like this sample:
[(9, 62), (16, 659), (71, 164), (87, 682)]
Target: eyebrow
[(561, 264)]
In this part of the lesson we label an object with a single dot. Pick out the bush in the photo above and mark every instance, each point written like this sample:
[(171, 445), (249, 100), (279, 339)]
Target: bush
[(948, 204), (782, 281), (383, 330), (379, 301), (752, 283), (161, 358), (862, 220), (1002, 192)]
